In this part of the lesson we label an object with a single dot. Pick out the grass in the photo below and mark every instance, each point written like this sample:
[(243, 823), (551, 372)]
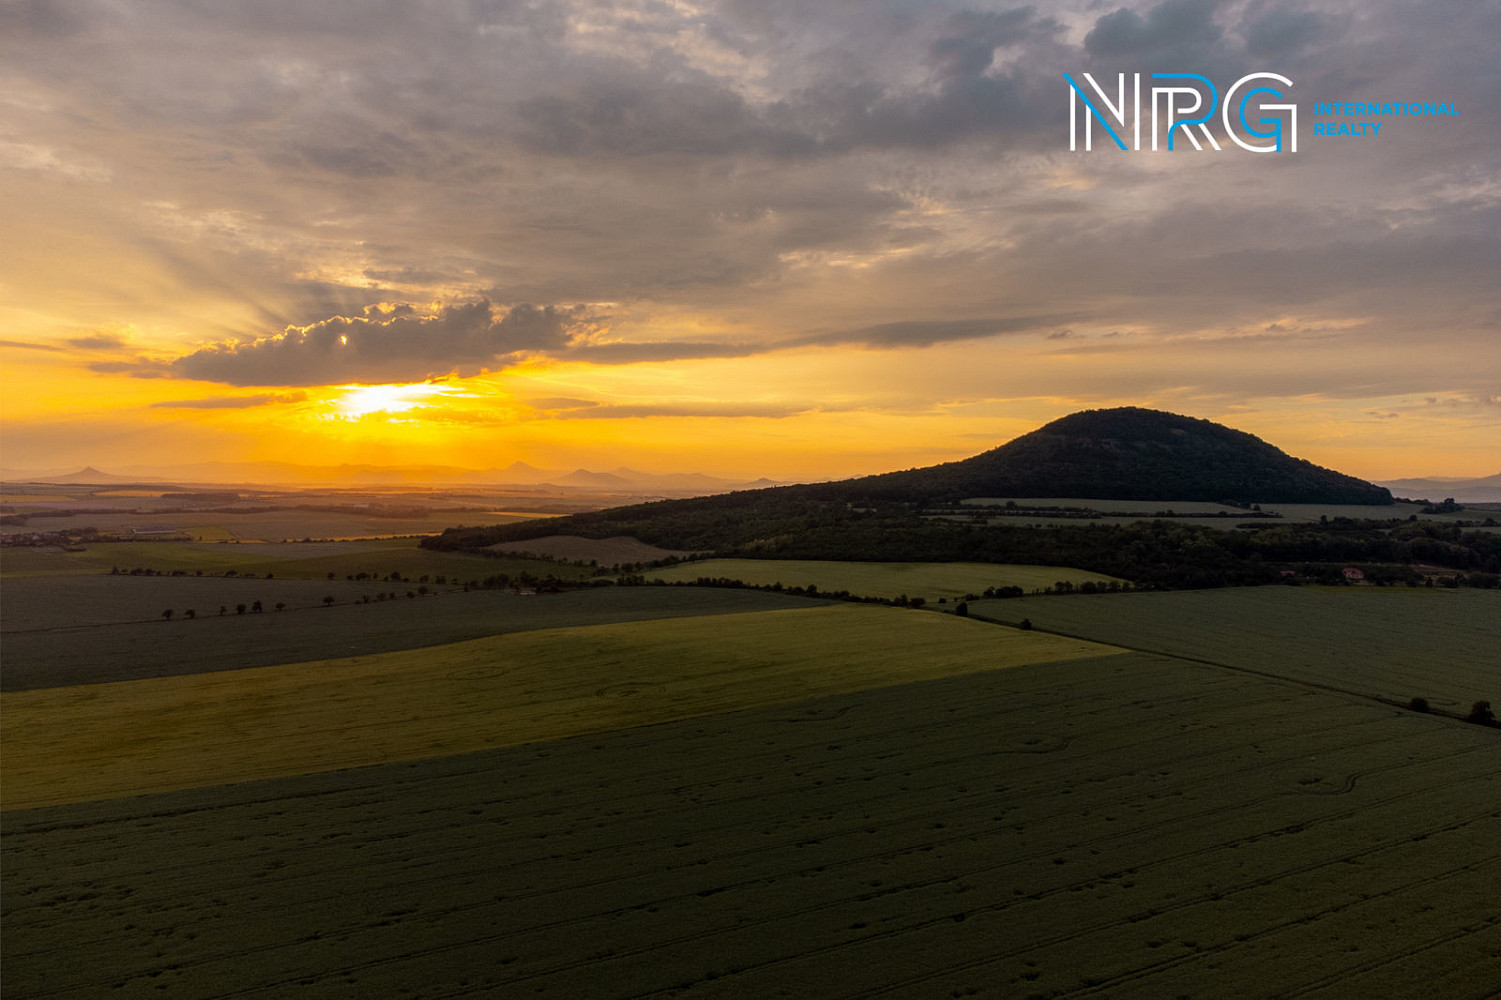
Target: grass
[(1392, 642), (1128, 826), (290, 560), (1146, 508), (272, 525), (60, 653), (130, 738), (926, 580)]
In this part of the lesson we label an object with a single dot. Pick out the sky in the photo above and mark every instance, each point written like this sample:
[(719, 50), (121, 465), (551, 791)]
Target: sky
[(774, 238)]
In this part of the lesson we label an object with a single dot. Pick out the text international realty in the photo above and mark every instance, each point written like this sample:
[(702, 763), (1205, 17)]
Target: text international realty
[(1361, 109)]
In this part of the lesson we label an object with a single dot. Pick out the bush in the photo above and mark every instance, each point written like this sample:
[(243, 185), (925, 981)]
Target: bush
[(1481, 714), (1418, 704)]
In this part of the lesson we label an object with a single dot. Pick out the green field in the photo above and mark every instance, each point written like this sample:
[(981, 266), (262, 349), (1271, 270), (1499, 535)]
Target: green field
[(1389, 642), (1300, 513), (56, 652), (292, 560), (269, 525), (1129, 826), (647, 792), (1145, 508), (926, 580), (67, 744)]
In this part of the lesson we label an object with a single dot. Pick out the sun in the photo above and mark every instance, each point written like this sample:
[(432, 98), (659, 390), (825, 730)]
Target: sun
[(356, 401)]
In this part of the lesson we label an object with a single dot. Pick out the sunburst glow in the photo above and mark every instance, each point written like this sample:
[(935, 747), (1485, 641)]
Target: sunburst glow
[(358, 401)]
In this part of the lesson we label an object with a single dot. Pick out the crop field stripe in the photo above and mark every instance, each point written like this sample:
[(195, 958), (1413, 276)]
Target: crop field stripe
[(186, 872), (1400, 842), (431, 854), (1220, 949), (1326, 729), (905, 987), (1490, 923), (115, 739), (743, 924), (967, 758), (1252, 671), (1390, 643), (739, 926)]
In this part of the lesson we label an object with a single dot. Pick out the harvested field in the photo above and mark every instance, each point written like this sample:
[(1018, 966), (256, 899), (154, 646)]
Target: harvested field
[(91, 655), (129, 738), (869, 579), (1391, 642), (1130, 826), (604, 551)]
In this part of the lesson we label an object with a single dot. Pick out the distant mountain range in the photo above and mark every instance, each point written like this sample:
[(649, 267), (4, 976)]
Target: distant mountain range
[(620, 480), (1485, 489)]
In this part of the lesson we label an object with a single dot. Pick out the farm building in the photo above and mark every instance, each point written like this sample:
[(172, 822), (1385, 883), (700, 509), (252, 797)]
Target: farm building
[(1351, 573)]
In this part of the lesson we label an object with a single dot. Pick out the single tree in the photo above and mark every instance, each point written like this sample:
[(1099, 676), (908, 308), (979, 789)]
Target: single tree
[(190, 613), (1481, 714), (329, 600), (167, 614)]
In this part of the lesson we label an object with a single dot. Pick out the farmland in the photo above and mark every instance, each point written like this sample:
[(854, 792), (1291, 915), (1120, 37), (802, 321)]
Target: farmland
[(265, 525), (57, 651), (292, 560), (109, 740), (1033, 510), (1396, 643), (604, 551), (889, 580), (652, 791), (1130, 826)]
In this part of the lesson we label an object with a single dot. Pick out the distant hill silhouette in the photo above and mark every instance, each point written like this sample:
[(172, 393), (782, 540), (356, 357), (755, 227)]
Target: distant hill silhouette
[(1120, 454), (1127, 453)]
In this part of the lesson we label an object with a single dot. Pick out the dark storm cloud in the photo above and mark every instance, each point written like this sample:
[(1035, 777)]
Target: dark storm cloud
[(384, 346)]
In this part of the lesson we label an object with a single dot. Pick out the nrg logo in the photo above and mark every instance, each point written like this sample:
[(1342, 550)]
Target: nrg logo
[(1176, 108)]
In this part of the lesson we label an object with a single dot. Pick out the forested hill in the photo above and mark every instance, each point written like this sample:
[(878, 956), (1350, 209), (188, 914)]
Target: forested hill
[(1126, 454), (1121, 454)]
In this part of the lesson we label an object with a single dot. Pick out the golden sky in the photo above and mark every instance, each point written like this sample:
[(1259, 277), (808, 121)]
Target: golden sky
[(785, 240)]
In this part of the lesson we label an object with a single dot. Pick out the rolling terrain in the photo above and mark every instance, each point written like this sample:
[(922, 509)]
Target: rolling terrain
[(439, 771), (1132, 825)]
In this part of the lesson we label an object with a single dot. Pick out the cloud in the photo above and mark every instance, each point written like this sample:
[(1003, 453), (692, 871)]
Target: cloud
[(844, 174), (230, 402), (385, 346), (394, 343), (925, 333), (97, 342), (622, 411)]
